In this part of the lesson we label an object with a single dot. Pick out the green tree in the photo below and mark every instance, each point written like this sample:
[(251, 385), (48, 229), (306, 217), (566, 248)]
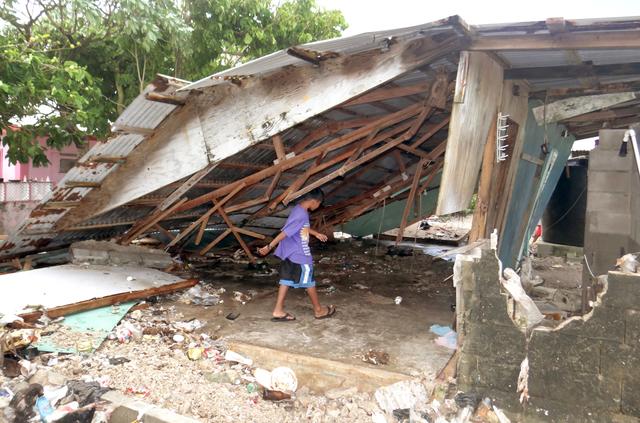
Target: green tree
[(68, 67)]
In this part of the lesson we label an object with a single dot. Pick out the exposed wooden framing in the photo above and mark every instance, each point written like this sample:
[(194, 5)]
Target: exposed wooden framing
[(414, 151), (249, 233), (479, 223), (60, 204), (104, 159), (278, 144), (219, 124), (412, 195), (573, 71), (133, 129), (215, 242), (399, 160), (81, 184), (567, 41), (570, 107), (386, 147), (200, 234), (235, 233), (430, 132), (558, 93), (604, 115), (166, 99), (147, 223), (304, 156), (242, 165), (389, 93), (186, 186), (206, 216), (164, 231)]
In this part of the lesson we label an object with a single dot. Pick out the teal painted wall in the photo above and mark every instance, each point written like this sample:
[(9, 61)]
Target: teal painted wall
[(369, 223), (531, 196)]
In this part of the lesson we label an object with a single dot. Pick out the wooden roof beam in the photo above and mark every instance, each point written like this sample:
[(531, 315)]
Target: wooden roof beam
[(574, 71), (629, 39)]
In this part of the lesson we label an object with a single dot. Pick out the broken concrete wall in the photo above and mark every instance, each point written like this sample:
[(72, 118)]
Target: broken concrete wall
[(109, 253), (587, 370), (613, 204)]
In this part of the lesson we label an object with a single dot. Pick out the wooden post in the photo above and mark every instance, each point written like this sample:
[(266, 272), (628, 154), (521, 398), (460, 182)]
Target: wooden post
[(409, 204)]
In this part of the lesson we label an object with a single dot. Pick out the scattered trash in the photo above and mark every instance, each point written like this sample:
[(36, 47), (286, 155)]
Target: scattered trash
[(398, 300), (130, 278), (234, 356), (447, 337), (232, 316), (243, 298), (376, 357), (116, 361), (126, 331), (139, 391), (198, 296), (528, 315), (270, 395), (628, 263), (44, 408), (523, 381), (329, 290), (178, 338), (284, 379), (195, 354), (360, 286), (188, 326)]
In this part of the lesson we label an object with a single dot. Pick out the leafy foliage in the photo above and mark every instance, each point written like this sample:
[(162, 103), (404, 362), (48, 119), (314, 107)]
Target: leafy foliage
[(68, 67)]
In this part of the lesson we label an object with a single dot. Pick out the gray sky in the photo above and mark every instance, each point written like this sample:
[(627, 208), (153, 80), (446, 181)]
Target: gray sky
[(371, 15)]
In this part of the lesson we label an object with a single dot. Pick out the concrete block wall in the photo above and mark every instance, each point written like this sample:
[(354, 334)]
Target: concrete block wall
[(587, 370), (613, 204)]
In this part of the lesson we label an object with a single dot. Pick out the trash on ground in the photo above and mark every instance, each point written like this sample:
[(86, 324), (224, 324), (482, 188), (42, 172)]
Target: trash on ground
[(447, 337), (376, 357), (234, 356)]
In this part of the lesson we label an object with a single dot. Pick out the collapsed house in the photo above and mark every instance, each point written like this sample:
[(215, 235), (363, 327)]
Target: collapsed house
[(393, 126)]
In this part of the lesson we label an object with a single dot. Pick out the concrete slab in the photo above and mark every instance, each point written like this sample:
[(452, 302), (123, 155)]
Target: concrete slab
[(363, 288)]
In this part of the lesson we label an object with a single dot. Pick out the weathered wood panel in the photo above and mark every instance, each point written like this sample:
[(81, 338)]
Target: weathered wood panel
[(468, 130)]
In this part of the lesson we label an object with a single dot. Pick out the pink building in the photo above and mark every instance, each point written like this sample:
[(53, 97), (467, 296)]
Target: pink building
[(59, 163)]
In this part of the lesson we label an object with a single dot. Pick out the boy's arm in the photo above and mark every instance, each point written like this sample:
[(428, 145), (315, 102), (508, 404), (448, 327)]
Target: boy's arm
[(267, 248), (322, 237)]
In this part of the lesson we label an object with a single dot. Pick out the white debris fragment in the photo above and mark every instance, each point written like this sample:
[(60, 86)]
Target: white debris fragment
[(529, 310), (234, 356), (403, 394), (398, 300), (628, 263), (523, 381)]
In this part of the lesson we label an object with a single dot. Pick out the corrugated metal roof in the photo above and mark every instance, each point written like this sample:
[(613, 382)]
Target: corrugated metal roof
[(343, 45), (142, 113)]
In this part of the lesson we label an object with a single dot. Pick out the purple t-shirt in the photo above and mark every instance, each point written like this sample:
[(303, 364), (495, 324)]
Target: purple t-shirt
[(295, 246)]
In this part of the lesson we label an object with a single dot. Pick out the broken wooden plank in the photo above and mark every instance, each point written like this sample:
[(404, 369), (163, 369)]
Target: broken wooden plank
[(576, 106), (64, 310), (468, 130), (389, 93)]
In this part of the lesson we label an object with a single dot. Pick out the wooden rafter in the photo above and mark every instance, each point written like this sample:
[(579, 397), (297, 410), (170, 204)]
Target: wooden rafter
[(150, 221), (302, 157), (389, 93), (568, 40), (412, 194), (206, 216)]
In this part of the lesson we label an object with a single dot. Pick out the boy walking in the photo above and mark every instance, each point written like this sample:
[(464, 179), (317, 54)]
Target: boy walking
[(296, 270)]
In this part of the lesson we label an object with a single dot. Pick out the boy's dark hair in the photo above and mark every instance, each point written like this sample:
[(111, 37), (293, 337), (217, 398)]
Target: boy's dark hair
[(314, 194)]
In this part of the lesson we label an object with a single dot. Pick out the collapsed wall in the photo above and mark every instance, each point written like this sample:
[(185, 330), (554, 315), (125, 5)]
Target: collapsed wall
[(586, 370)]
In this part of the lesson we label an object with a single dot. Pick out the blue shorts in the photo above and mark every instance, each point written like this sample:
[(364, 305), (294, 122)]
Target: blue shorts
[(296, 275)]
